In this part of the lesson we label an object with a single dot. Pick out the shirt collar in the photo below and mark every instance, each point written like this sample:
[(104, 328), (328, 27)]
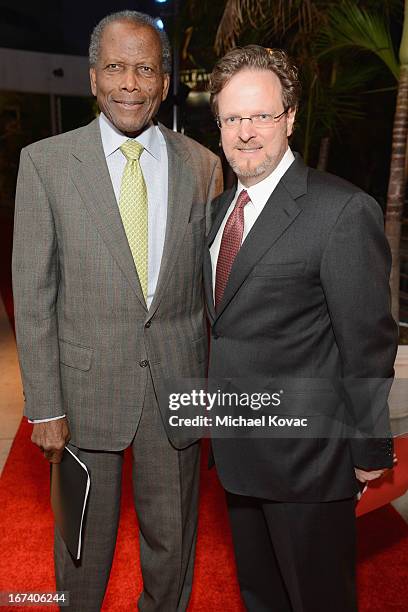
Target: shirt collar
[(261, 192), (112, 138)]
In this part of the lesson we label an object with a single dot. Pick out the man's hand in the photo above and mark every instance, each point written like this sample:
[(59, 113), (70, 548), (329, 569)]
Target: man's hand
[(365, 476), (51, 438)]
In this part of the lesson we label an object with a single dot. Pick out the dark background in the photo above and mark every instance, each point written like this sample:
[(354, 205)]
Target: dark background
[(59, 26)]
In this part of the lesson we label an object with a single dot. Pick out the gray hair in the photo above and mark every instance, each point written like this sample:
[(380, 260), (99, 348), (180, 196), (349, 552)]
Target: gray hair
[(134, 17)]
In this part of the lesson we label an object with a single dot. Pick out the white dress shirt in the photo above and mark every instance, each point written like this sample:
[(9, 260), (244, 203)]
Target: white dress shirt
[(154, 164), (259, 194)]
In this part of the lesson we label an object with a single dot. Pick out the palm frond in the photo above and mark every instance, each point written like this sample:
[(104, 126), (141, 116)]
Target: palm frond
[(387, 7), (352, 27), (335, 106), (354, 80), (233, 19), (277, 15)]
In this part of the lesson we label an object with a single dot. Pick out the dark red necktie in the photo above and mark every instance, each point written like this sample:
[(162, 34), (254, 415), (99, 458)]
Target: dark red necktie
[(230, 245)]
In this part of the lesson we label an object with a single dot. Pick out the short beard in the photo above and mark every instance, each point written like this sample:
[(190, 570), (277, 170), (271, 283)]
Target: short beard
[(267, 166)]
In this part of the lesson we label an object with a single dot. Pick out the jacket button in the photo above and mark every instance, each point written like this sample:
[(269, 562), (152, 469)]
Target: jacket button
[(144, 363), (148, 324)]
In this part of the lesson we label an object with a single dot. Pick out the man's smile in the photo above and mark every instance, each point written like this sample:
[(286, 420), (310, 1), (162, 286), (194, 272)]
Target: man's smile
[(252, 150), (128, 104)]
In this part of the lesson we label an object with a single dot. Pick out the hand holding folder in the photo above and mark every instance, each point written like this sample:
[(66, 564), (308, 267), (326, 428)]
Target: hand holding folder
[(70, 484)]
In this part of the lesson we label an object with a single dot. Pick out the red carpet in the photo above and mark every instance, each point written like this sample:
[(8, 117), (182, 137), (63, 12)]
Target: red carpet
[(26, 544)]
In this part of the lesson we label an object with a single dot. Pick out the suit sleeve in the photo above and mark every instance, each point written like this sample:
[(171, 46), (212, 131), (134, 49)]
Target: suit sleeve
[(355, 278), (35, 288), (215, 189)]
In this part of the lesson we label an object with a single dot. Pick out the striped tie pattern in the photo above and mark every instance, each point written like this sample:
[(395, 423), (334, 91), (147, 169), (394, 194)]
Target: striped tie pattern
[(133, 207)]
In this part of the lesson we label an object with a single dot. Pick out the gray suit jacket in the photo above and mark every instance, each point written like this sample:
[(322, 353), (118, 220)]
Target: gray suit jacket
[(85, 338), (306, 309)]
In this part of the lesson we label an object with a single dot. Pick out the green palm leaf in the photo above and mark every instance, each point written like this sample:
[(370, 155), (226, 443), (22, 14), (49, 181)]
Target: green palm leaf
[(353, 27)]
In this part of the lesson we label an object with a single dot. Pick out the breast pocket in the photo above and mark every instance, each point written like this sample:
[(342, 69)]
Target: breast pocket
[(193, 244), (196, 225), (279, 270)]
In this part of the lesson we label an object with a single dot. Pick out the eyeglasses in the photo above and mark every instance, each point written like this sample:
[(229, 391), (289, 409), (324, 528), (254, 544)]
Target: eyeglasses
[(262, 120)]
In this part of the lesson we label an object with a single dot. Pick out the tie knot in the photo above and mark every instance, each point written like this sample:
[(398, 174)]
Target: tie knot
[(132, 149), (242, 199)]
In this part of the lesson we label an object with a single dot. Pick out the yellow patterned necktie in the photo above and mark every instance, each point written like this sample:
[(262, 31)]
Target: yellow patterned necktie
[(134, 209)]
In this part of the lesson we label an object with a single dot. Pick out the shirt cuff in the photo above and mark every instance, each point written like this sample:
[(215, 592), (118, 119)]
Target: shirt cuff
[(46, 420)]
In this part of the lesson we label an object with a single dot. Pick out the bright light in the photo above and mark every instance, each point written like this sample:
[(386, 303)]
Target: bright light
[(161, 1), (159, 23)]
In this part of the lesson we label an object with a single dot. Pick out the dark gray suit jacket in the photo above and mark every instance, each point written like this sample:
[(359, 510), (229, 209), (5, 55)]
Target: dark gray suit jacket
[(85, 338), (307, 307)]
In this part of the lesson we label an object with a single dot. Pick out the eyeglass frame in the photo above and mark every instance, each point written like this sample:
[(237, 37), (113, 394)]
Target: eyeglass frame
[(275, 119)]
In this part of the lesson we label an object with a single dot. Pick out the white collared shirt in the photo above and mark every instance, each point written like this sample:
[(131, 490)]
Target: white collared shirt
[(259, 194), (154, 164)]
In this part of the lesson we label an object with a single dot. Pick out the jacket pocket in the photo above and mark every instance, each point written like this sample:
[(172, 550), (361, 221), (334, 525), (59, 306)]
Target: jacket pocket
[(75, 355), (196, 225), (279, 270)]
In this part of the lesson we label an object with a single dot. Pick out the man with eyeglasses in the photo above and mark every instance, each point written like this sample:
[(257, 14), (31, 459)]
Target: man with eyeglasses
[(296, 280)]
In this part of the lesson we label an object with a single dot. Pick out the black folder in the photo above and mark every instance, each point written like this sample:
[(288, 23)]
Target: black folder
[(70, 484)]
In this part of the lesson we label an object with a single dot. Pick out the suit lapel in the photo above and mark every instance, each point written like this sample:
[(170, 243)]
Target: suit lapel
[(91, 176), (278, 214), (180, 199), (224, 202)]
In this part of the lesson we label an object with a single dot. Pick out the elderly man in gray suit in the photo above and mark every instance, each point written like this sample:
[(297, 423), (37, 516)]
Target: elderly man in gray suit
[(109, 233)]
